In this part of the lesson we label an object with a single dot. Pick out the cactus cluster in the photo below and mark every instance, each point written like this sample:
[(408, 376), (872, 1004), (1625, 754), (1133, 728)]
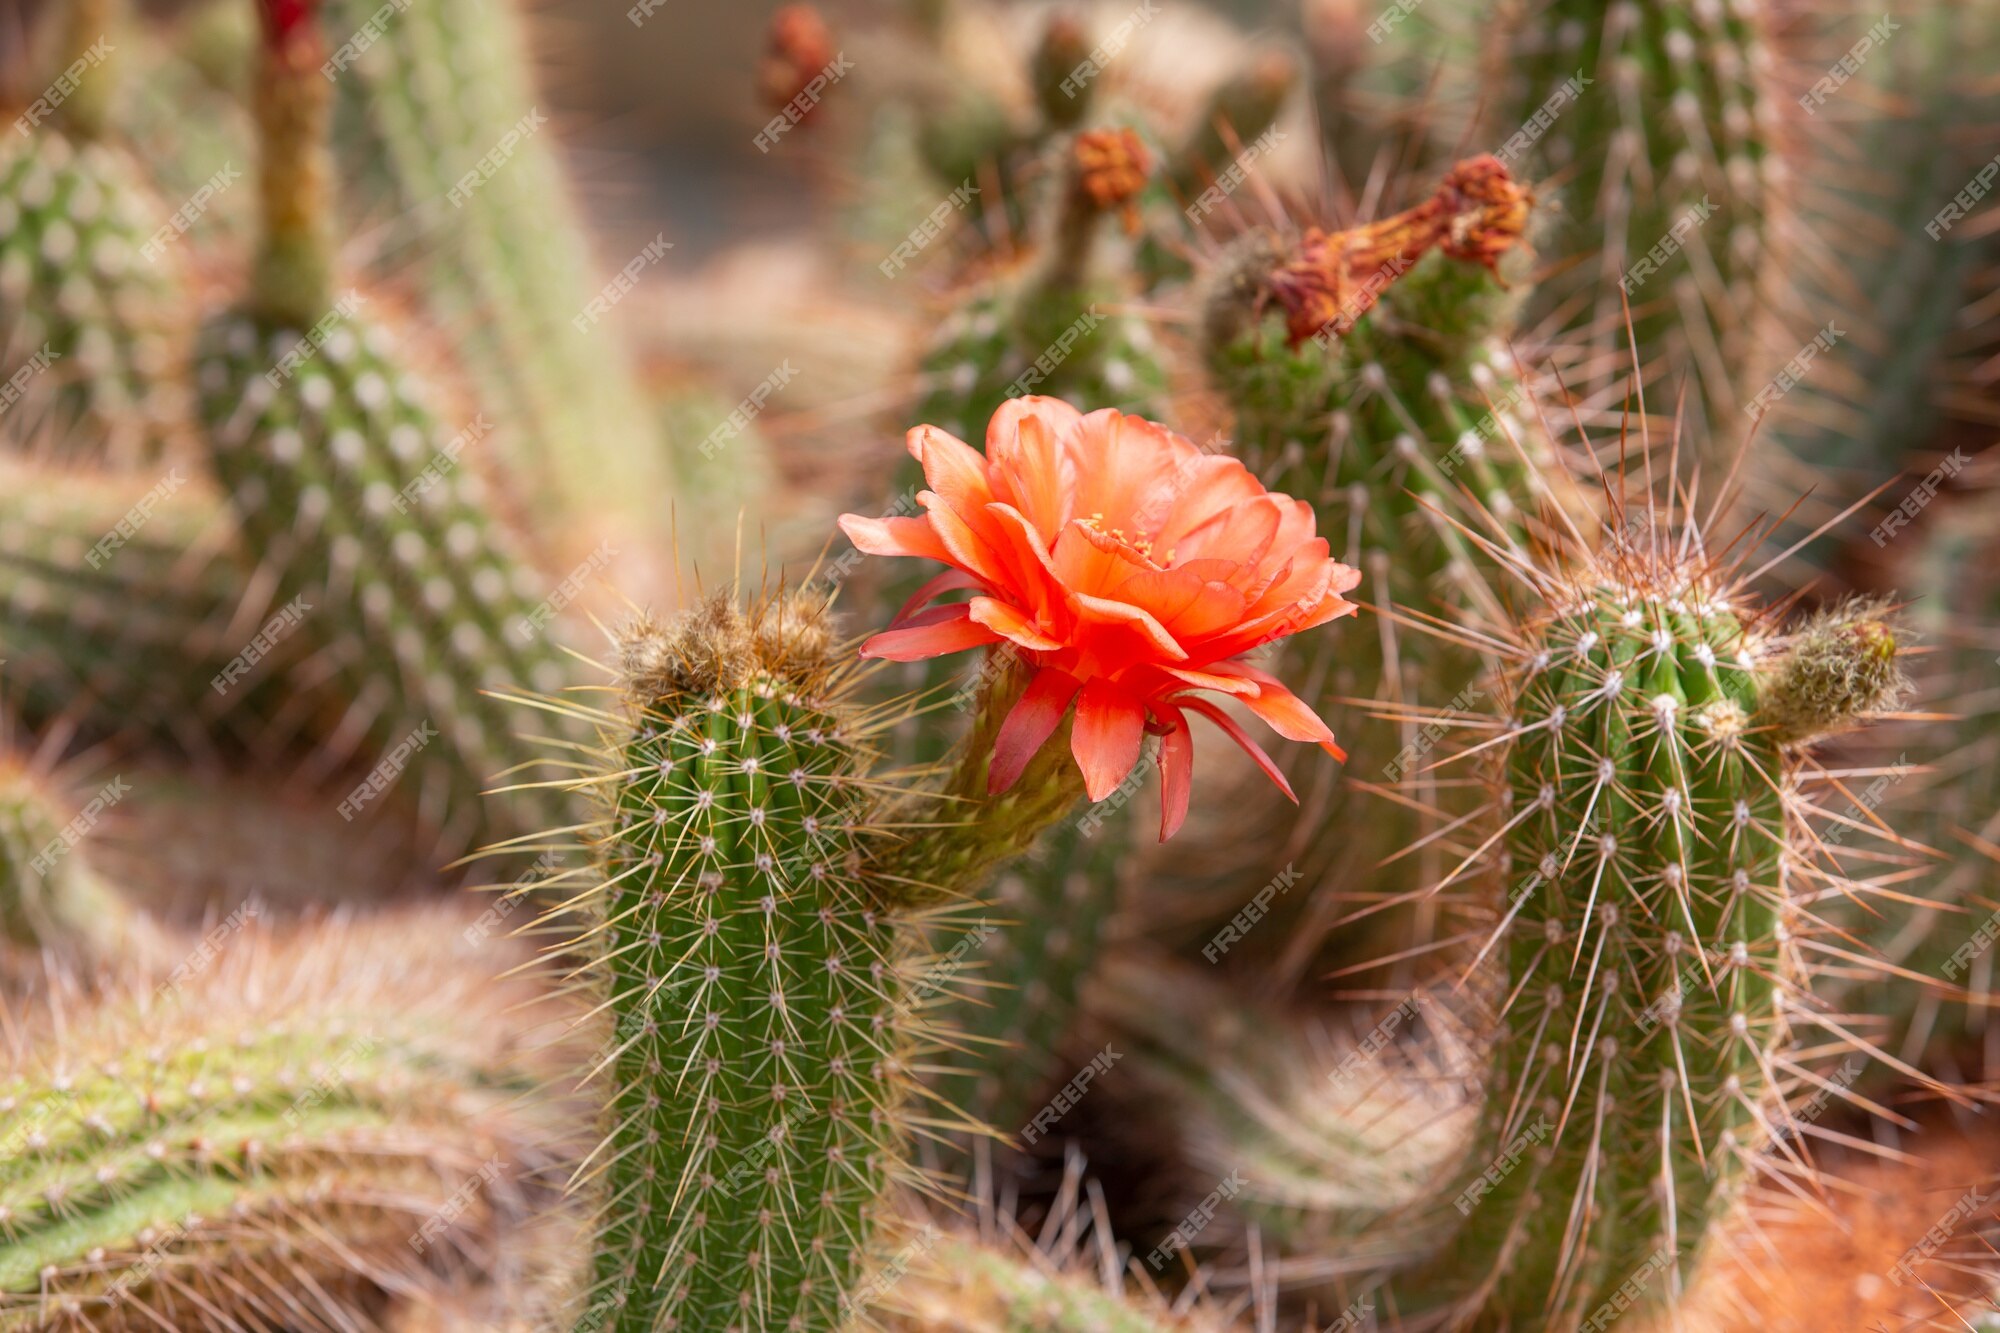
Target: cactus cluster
[(1629, 872)]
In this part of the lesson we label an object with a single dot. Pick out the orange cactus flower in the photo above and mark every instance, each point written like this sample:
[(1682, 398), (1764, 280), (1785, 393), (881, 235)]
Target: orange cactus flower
[(1129, 569)]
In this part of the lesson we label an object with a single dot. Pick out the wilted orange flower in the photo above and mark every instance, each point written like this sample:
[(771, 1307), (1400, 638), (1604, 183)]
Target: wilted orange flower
[(1128, 568), (1476, 215)]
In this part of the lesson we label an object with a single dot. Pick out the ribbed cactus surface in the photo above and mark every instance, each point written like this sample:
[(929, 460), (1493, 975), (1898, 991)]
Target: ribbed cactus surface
[(756, 1058), (439, 124), (1664, 124), (272, 1134), (360, 500), (128, 605), (94, 318), (1652, 854)]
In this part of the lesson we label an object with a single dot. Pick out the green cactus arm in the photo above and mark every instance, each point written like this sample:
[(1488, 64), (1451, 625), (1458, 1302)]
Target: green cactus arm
[(1645, 904), (755, 1064), (358, 497)]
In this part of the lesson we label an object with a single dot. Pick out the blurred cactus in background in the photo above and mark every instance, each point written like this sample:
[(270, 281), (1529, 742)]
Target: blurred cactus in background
[(772, 502)]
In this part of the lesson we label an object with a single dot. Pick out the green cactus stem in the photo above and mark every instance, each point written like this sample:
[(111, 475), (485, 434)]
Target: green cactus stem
[(945, 839), (93, 303), (1664, 123), (438, 124), (278, 1133), (359, 496), (1368, 375), (1652, 858), (1055, 327), (757, 1060)]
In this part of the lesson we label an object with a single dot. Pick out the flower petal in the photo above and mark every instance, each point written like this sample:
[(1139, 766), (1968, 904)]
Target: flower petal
[(1053, 413), (1128, 469), (1092, 561), (1280, 709), (894, 536), (1028, 561), (953, 630), (1033, 719), (1029, 466), (1221, 684), (952, 468), (1189, 607), (1110, 728), (1176, 770), (1248, 746), (1128, 623), (968, 546), (1009, 623), (950, 581)]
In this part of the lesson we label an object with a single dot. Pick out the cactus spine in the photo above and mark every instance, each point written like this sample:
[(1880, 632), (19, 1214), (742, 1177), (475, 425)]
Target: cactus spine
[(344, 478), (1652, 861), (270, 1137), (757, 1059)]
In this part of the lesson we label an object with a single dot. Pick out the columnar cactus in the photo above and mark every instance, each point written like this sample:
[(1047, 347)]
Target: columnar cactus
[(354, 489), (1649, 857), (758, 1051), (93, 323), (439, 124), (1886, 157), (1367, 374), (275, 1134), (1663, 122), (1056, 327)]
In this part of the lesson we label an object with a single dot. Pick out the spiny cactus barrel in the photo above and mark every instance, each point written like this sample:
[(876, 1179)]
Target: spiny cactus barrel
[(327, 1114), (365, 504), (1649, 927), (756, 1061), (93, 321)]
